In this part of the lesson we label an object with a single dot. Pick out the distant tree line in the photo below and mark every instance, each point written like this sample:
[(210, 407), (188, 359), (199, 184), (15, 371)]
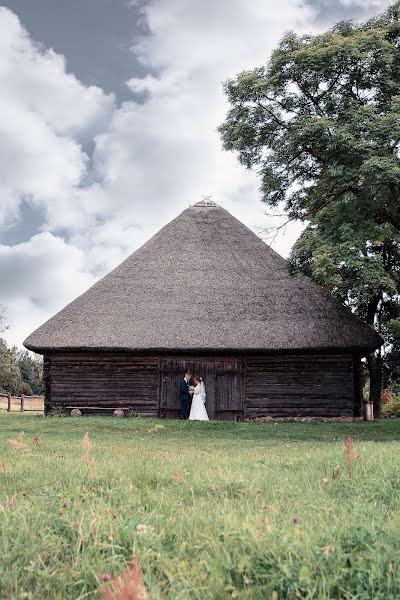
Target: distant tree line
[(20, 370)]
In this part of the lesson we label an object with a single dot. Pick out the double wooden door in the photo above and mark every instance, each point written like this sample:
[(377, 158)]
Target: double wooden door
[(223, 378)]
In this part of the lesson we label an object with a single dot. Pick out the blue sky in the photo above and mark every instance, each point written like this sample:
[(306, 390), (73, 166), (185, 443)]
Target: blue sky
[(108, 117)]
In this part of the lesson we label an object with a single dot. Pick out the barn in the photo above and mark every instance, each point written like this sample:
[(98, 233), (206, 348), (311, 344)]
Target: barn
[(205, 293)]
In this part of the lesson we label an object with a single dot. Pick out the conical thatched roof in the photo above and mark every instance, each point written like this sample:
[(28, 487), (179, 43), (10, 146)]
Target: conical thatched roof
[(204, 282)]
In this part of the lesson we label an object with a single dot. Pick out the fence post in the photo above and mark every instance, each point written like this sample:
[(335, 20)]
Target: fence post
[(22, 402), (8, 402)]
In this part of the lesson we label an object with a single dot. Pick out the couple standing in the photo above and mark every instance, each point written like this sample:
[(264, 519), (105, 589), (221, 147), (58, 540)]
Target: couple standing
[(192, 399)]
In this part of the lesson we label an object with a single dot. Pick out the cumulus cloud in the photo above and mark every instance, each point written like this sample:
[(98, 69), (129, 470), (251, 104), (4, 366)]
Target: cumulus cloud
[(154, 158), (45, 113), (38, 278), (160, 155)]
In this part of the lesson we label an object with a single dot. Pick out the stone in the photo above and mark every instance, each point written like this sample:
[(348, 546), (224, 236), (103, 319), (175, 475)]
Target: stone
[(118, 412), (75, 412)]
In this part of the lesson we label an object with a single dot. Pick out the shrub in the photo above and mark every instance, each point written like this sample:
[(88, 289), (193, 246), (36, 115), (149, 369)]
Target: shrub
[(26, 389), (391, 408), (387, 396)]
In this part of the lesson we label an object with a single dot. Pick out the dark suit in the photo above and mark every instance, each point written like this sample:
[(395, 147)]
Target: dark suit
[(184, 399)]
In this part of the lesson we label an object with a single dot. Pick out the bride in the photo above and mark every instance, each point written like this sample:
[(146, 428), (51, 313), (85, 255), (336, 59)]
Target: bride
[(198, 411)]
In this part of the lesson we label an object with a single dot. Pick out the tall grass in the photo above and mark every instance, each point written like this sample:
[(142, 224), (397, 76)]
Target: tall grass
[(208, 510)]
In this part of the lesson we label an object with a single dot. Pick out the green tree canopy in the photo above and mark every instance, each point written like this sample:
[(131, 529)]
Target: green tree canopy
[(321, 123), (20, 370)]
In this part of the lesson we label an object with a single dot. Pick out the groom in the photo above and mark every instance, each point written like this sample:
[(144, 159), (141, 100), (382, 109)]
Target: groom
[(184, 396)]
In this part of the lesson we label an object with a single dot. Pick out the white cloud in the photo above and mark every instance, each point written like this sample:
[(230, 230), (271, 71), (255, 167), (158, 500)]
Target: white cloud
[(367, 5), (162, 155), (155, 158), (38, 278), (44, 112)]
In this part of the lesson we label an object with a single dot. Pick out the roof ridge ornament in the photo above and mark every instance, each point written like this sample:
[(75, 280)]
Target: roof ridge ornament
[(206, 201)]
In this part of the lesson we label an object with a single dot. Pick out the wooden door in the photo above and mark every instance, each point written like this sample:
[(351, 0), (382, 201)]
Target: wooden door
[(223, 378), (229, 396)]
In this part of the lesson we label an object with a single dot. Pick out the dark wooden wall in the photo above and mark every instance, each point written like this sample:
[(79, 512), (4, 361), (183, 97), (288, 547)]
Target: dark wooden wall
[(300, 385), (103, 380), (237, 386)]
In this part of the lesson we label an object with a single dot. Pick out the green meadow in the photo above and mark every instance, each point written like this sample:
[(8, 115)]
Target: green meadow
[(209, 510)]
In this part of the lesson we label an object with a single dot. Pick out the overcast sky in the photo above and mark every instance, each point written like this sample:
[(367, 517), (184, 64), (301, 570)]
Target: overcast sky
[(108, 116)]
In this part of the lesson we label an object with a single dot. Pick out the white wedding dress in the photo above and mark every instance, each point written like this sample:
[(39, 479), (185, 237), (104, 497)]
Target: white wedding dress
[(198, 411)]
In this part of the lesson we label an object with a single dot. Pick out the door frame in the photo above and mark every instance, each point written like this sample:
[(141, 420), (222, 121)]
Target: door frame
[(189, 359)]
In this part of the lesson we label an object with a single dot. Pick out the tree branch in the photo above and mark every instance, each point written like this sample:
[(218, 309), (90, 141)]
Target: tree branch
[(272, 114), (275, 230)]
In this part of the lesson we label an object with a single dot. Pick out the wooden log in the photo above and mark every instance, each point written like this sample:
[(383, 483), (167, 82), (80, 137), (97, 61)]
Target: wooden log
[(9, 403), (300, 385)]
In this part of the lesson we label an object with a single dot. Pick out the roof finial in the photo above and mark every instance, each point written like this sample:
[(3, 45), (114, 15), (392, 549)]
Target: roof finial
[(206, 201)]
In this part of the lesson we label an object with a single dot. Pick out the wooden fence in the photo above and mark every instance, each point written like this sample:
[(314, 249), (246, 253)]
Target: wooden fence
[(21, 403)]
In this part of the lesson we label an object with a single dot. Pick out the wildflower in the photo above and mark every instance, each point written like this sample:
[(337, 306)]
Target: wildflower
[(61, 512), (329, 550), (110, 538), (177, 475), (92, 465), (65, 504), (325, 480), (17, 444), (266, 507), (349, 453), (105, 577), (295, 519), (87, 448), (143, 529), (128, 585), (11, 504)]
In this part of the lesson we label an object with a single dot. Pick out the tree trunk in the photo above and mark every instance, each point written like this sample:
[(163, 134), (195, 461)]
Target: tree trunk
[(375, 363), (375, 382)]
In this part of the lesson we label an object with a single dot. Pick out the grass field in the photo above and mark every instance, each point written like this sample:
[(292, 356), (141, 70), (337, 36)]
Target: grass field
[(210, 510)]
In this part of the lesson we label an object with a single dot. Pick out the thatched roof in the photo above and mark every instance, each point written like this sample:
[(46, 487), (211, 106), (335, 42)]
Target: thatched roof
[(204, 282)]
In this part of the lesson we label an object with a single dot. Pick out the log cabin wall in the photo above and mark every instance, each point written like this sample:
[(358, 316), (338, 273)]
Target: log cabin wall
[(99, 382), (47, 383), (238, 387), (301, 385)]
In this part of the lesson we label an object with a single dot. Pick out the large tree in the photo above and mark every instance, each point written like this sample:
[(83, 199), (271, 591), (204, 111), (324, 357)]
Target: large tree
[(321, 123)]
